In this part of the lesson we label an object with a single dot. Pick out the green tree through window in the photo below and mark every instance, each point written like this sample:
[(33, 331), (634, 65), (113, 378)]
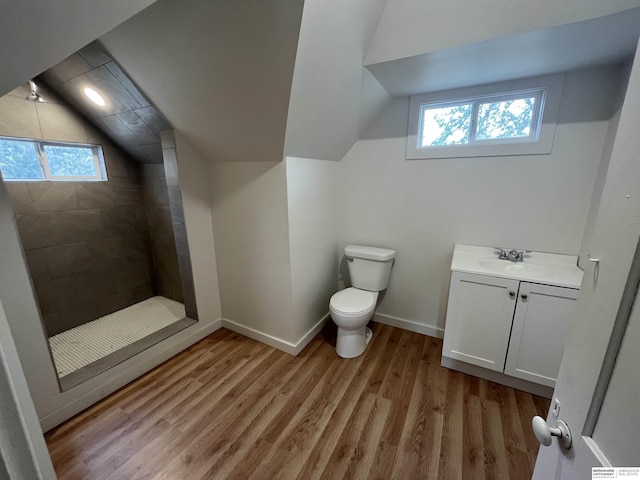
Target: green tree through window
[(19, 160), (33, 160)]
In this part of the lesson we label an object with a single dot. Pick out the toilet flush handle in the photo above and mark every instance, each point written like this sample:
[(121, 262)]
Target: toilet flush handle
[(348, 259)]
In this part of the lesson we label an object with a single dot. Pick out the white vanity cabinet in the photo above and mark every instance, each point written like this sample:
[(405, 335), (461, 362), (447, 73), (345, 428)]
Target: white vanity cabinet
[(509, 323), (540, 328), (479, 318)]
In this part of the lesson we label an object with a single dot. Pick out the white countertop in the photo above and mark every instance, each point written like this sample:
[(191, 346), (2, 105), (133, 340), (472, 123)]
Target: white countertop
[(537, 267)]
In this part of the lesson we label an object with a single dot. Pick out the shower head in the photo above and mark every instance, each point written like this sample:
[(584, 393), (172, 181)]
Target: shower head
[(34, 96)]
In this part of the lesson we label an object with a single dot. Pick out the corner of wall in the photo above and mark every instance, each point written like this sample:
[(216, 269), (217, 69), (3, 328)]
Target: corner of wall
[(195, 186)]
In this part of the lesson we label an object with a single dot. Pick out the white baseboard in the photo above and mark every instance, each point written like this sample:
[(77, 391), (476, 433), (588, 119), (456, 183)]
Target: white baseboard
[(118, 376), (275, 342), (428, 330)]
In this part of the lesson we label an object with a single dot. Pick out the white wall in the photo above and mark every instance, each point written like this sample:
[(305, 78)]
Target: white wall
[(596, 196), (219, 70), (195, 191), (37, 34), (323, 114), (250, 225), (413, 27), (422, 208), (314, 229), (23, 451)]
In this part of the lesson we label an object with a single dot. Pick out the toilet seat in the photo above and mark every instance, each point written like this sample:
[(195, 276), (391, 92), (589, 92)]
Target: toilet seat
[(353, 302)]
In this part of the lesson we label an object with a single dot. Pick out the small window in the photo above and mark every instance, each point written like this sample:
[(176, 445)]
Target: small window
[(505, 118), (490, 120), (30, 160)]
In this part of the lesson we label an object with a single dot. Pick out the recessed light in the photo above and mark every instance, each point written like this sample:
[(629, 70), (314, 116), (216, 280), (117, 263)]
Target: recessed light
[(94, 96)]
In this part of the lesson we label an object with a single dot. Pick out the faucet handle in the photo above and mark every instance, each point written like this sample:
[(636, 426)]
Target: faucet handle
[(502, 252), (521, 254)]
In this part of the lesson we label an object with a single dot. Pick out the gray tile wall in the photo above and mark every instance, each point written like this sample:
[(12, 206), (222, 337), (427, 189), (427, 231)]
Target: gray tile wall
[(163, 245), (87, 244), (170, 159)]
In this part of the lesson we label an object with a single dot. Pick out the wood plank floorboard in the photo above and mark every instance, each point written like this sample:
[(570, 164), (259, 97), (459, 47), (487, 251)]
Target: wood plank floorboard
[(231, 408)]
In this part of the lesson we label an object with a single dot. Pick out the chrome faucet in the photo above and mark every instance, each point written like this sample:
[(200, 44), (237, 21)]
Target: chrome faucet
[(513, 254)]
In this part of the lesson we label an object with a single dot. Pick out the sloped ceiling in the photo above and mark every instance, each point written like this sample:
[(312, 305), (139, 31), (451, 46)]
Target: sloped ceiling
[(37, 34), (220, 71), (127, 117), (415, 27), (606, 40)]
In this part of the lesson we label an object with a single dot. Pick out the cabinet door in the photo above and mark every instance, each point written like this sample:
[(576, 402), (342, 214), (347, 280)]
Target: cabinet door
[(479, 316), (540, 328)]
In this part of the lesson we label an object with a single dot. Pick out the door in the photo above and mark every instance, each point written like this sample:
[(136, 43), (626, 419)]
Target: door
[(479, 316), (598, 384), (539, 332)]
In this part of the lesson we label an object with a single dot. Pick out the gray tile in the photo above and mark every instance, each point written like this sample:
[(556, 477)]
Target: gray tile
[(18, 118), (67, 69), (118, 220), (96, 195), (152, 152), (60, 122), (139, 129), (128, 85), (141, 218), (113, 126), (168, 138), (129, 193), (119, 98), (171, 167), (134, 168), (107, 253), (53, 196), (180, 234), (154, 119), (67, 260), (20, 197), (116, 162), (153, 170), (38, 268), (94, 54), (78, 225), (175, 205), (37, 230), (132, 277)]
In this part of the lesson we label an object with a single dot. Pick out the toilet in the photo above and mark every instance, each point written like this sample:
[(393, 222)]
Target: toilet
[(352, 308)]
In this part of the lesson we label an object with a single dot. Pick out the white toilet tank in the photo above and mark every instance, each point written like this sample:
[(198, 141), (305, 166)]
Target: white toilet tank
[(369, 267)]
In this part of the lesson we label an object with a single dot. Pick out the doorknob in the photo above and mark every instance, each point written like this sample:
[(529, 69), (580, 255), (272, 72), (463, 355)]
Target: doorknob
[(544, 432)]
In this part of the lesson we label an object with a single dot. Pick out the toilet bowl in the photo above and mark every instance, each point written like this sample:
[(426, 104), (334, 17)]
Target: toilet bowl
[(351, 309)]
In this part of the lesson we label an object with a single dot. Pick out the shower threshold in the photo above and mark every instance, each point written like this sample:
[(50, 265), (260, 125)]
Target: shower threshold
[(92, 348)]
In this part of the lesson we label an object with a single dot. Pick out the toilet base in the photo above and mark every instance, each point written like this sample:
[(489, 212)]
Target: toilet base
[(351, 343)]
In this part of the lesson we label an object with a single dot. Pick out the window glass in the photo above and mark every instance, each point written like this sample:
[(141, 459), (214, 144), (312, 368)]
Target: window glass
[(446, 125), (19, 160), (506, 119), (70, 161)]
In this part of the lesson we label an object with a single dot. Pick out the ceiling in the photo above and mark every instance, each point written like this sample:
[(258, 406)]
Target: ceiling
[(606, 40), (127, 117)]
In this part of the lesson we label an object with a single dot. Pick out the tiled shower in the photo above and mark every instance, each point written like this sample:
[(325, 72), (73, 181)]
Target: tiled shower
[(96, 247)]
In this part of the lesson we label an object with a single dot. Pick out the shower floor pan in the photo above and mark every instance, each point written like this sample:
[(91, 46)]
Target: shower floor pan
[(92, 348)]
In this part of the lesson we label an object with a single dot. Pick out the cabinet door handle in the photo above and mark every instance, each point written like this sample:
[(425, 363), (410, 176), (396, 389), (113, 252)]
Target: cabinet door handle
[(524, 296), (512, 294)]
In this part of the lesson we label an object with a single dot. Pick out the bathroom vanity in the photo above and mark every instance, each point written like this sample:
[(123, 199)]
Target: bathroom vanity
[(508, 321)]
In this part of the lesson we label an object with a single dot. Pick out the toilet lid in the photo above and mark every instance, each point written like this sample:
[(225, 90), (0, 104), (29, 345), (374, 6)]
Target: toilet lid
[(353, 301)]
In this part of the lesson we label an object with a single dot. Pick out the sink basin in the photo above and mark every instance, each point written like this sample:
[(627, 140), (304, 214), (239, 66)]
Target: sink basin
[(519, 269)]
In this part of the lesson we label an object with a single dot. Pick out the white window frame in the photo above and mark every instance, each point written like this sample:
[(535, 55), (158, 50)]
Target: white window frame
[(47, 176), (540, 141)]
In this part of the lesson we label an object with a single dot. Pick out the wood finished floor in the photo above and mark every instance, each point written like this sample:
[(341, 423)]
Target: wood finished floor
[(230, 407)]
